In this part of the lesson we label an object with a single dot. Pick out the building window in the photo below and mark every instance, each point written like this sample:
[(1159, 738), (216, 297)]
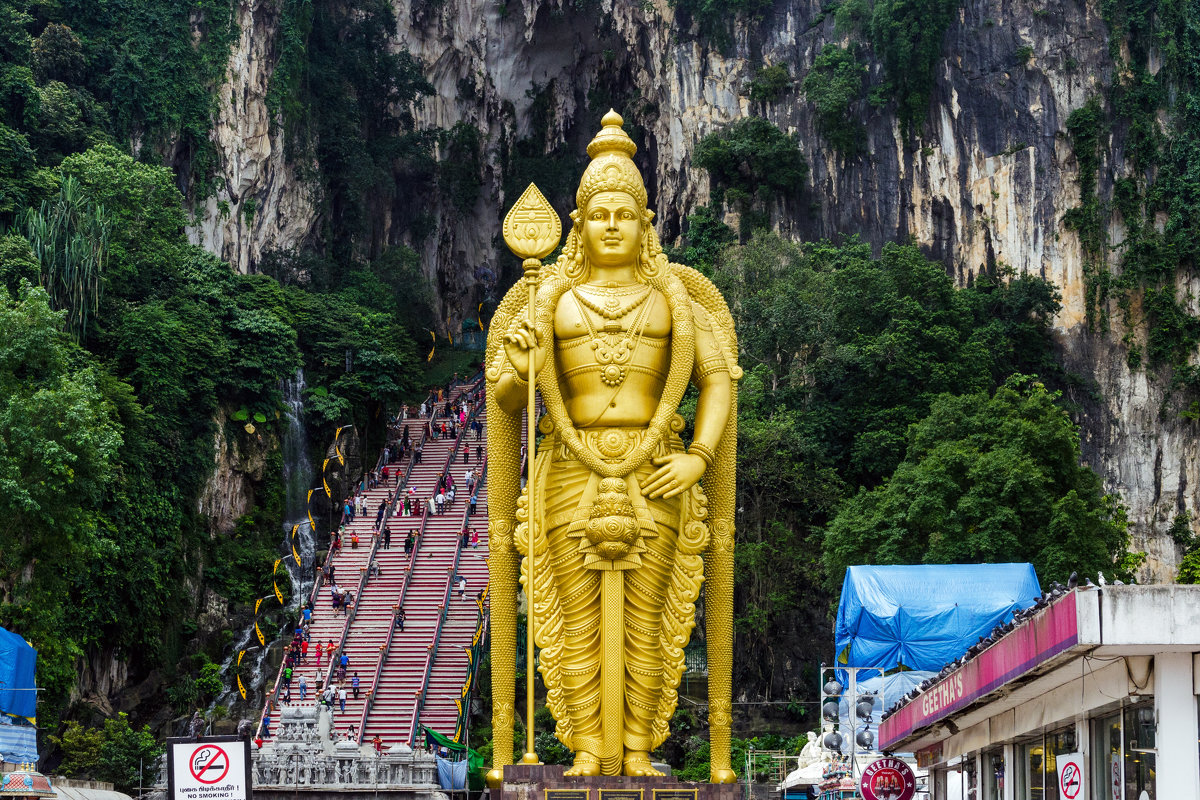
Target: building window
[(1139, 741), (993, 774), (1028, 770), (1056, 744), (1037, 770), (1106, 758)]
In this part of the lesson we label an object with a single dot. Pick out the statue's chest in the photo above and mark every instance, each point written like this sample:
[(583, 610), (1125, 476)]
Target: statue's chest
[(589, 332)]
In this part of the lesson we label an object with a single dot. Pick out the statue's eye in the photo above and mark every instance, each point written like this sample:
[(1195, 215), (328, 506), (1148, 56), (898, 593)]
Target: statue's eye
[(627, 215)]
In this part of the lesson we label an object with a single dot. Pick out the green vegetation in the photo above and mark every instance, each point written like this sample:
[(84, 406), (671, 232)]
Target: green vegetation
[(117, 752), (345, 93), (770, 83), (123, 347), (906, 36), (715, 18), (832, 85), (987, 477), (844, 354), (750, 164)]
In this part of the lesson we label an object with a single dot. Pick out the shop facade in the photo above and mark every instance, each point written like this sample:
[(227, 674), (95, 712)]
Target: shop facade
[(1092, 698)]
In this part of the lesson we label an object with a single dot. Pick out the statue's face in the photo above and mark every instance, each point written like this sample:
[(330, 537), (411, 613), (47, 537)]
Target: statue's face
[(612, 229)]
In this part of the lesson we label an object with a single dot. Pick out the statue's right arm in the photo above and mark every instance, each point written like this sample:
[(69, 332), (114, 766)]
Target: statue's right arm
[(512, 387)]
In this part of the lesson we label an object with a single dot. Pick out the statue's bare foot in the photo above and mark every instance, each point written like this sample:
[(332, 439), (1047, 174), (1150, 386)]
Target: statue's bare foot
[(638, 763), (585, 764)]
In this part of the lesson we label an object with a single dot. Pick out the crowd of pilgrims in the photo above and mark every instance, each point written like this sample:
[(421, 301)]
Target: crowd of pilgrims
[(454, 419)]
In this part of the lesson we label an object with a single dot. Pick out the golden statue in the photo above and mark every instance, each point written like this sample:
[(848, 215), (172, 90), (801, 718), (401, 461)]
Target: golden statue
[(624, 531)]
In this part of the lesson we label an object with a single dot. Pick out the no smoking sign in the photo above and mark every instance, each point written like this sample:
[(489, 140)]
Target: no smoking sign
[(1070, 775), (210, 768), (209, 764)]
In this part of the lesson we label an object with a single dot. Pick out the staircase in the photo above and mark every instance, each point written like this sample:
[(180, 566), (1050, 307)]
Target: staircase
[(448, 671), (330, 626), (363, 634), (403, 672)]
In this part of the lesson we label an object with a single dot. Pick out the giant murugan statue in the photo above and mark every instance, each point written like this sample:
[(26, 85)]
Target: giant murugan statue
[(626, 521)]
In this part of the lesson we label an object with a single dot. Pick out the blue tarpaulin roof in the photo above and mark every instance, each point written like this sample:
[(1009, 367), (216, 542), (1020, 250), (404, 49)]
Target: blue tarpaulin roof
[(924, 616), (18, 663)]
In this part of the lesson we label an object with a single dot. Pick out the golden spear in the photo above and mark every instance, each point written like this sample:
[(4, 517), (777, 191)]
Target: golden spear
[(532, 230)]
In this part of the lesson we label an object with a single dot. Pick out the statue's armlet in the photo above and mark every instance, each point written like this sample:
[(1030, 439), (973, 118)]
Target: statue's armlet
[(710, 361)]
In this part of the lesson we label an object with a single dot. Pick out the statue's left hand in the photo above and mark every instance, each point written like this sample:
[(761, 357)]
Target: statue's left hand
[(676, 473)]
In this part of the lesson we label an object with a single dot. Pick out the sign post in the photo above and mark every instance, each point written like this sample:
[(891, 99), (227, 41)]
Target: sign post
[(209, 768)]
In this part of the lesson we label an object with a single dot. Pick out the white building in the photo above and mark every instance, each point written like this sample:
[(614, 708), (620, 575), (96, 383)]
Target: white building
[(1110, 673)]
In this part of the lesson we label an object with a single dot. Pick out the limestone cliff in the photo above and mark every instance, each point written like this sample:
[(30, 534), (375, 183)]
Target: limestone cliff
[(985, 180)]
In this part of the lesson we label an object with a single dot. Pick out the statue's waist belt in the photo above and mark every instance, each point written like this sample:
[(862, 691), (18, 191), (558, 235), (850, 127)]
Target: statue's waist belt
[(613, 444)]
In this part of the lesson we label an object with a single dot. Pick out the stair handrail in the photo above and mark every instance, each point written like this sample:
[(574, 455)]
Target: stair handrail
[(419, 701), (272, 694), (425, 431), (387, 646), (481, 633), (319, 583), (481, 620), (458, 549), (365, 577), (384, 649)]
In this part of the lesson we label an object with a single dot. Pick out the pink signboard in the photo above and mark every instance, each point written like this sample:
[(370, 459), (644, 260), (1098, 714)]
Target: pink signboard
[(888, 779), (1034, 642)]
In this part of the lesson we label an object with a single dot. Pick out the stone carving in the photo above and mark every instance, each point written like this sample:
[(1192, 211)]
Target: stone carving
[(303, 754)]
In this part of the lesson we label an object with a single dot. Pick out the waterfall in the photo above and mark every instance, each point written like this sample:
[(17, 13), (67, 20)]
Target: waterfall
[(298, 476)]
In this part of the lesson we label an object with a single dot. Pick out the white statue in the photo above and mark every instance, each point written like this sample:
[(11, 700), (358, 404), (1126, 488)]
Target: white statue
[(811, 754)]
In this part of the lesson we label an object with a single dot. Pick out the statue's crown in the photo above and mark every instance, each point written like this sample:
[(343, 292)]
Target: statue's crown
[(612, 168)]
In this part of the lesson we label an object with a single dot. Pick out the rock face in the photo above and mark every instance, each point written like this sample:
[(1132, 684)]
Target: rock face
[(229, 492), (258, 203), (985, 180)]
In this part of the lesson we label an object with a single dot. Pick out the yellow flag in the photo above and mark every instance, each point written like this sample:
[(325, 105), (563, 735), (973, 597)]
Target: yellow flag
[(325, 482), (295, 529), (434, 348), (278, 561), (241, 687), (341, 458), (239, 661), (257, 603), (261, 639), (295, 555), (479, 314), (278, 595)]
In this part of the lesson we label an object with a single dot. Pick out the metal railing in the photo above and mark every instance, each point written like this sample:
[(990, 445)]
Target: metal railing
[(272, 695)]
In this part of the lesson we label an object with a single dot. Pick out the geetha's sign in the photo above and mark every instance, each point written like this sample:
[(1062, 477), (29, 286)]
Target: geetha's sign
[(888, 779)]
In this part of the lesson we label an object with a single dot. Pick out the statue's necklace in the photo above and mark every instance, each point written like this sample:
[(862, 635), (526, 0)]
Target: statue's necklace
[(614, 347), (612, 308)]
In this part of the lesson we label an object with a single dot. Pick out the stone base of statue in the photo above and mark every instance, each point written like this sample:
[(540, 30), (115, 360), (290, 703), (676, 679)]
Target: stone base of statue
[(547, 782)]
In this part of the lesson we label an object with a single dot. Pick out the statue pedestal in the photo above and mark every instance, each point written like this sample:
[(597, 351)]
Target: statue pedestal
[(538, 782)]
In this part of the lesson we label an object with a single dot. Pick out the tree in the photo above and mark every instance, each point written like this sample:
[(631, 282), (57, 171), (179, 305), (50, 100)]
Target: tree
[(59, 440), (987, 478), (836, 81), (69, 236), (118, 752), (750, 164), (842, 352), (57, 55)]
